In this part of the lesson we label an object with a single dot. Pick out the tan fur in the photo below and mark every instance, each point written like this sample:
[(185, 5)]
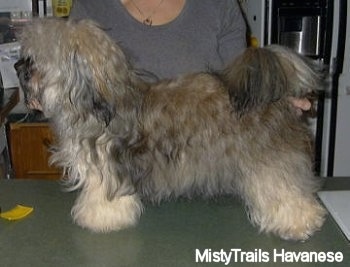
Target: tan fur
[(121, 140)]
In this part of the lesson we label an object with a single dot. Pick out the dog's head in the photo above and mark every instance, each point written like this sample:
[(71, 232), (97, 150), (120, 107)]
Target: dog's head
[(71, 66)]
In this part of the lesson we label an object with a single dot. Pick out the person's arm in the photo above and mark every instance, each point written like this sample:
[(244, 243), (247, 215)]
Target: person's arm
[(232, 37)]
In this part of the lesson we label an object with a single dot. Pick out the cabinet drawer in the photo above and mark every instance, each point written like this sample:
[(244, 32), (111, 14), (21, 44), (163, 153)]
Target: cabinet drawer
[(30, 150)]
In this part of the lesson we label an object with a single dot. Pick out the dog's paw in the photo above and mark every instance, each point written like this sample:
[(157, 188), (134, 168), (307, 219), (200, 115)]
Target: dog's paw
[(296, 218), (106, 216), (302, 223)]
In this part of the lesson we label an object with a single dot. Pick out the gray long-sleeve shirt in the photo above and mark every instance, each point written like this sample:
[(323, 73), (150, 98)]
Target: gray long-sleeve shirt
[(206, 35)]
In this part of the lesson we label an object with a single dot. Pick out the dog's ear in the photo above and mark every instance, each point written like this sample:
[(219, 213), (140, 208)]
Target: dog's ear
[(254, 79), (84, 95), (99, 70)]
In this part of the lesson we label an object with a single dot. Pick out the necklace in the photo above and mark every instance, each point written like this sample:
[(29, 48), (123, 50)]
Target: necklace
[(147, 19)]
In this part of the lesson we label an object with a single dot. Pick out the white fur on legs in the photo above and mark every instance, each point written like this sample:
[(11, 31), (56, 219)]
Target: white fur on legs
[(299, 218), (94, 211), (278, 204), (99, 207)]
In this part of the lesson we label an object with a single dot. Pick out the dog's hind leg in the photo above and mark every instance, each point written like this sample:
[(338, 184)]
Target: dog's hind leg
[(280, 198)]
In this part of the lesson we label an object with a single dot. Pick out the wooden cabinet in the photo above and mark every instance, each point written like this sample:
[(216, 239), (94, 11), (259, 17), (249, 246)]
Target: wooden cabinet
[(29, 146)]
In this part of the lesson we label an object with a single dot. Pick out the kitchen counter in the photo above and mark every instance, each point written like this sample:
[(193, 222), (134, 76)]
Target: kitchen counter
[(167, 235)]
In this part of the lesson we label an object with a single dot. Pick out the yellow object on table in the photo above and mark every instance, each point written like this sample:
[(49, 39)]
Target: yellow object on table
[(18, 212)]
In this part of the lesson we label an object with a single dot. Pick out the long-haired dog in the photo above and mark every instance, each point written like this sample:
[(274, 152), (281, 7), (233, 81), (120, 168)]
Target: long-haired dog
[(122, 140)]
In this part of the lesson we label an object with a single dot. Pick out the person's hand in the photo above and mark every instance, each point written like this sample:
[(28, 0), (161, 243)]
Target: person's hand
[(301, 104)]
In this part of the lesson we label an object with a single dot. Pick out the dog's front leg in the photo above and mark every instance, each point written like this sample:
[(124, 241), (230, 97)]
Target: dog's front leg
[(93, 210), (105, 203)]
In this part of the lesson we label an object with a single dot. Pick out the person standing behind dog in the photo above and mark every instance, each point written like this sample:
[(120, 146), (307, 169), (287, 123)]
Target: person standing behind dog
[(166, 38)]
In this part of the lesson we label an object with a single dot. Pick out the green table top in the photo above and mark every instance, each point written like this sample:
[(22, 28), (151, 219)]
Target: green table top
[(167, 235)]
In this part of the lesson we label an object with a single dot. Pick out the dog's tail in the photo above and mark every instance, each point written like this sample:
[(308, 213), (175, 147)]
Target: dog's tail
[(261, 76)]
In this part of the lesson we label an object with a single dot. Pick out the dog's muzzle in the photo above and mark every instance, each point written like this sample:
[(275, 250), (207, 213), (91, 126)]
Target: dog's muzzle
[(24, 69)]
